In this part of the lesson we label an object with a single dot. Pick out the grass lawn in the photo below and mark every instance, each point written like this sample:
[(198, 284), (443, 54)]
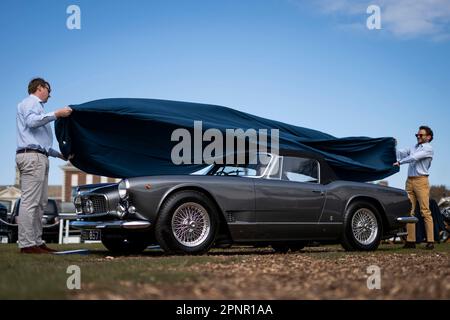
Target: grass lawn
[(235, 273)]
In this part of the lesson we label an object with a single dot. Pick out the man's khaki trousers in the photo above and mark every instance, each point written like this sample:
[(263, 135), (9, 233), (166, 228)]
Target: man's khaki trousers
[(418, 189), (33, 168)]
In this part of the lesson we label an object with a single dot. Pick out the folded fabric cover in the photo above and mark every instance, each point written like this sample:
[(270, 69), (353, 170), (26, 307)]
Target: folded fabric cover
[(132, 137)]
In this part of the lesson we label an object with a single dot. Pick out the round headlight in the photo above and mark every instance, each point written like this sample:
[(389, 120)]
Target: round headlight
[(124, 185)]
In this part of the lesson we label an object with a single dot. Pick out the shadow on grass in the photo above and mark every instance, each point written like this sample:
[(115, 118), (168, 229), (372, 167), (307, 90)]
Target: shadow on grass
[(265, 251)]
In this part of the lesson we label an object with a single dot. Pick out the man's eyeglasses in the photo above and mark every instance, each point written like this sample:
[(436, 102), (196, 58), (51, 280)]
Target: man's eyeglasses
[(420, 135)]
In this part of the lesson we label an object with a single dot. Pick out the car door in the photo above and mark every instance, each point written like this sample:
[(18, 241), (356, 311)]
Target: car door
[(288, 205)]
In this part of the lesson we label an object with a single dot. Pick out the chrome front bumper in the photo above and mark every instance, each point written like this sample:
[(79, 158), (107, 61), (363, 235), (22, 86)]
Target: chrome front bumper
[(75, 216), (407, 219), (116, 224)]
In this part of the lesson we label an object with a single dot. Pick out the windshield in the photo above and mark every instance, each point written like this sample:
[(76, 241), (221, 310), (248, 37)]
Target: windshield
[(251, 170), (203, 171), (240, 170)]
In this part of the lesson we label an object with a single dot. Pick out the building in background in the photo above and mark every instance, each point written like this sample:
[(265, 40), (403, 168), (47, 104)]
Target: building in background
[(8, 196), (74, 177)]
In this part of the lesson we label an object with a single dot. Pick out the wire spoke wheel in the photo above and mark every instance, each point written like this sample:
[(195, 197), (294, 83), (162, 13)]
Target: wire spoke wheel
[(364, 226), (191, 224)]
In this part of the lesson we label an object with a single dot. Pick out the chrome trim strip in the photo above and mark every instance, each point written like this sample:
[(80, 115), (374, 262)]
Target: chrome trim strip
[(407, 219), (108, 209), (72, 216), (110, 224)]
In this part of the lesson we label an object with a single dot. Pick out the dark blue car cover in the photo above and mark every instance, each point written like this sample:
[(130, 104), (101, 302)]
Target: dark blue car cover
[(132, 137)]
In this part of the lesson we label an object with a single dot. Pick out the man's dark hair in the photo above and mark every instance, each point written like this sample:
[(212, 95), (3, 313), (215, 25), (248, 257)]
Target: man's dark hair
[(35, 83), (428, 131)]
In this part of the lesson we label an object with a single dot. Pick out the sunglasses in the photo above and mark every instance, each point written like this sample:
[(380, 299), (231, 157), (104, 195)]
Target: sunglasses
[(420, 135), (48, 89)]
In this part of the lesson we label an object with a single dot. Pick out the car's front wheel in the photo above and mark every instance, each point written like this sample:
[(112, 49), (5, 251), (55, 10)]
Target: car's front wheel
[(125, 243), (362, 227), (187, 223)]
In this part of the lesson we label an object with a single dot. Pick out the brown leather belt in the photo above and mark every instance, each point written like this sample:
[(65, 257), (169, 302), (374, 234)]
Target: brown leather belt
[(25, 150)]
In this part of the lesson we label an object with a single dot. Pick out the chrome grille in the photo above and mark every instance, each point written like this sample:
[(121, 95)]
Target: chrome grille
[(98, 201)]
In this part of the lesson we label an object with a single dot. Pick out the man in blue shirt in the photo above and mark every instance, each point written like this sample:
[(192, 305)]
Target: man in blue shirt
[(419, 158), (34, 146)]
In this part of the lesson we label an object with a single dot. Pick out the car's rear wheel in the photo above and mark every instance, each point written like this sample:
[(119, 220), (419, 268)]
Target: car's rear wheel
[(362, 227), (187, 223), (125, 243)]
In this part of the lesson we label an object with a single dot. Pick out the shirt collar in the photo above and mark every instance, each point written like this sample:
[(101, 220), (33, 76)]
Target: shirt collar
[(421, 144), (36, 97)]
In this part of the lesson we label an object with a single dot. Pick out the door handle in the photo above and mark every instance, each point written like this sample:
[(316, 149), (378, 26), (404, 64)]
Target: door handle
[(319, 191)]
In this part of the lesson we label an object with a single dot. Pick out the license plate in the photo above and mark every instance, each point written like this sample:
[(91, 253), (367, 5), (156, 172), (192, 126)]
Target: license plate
[(3, 239), (91, 235)]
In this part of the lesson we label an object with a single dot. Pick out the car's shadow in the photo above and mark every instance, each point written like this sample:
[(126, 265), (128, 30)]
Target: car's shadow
[(155, 251), (216, 252)]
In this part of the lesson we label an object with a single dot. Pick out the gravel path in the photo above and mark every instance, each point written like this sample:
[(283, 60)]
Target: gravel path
[(314, 273)]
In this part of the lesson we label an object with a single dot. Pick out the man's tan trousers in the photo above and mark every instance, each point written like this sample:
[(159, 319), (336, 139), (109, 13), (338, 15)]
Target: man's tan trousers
[(33, 168), (418, 189)]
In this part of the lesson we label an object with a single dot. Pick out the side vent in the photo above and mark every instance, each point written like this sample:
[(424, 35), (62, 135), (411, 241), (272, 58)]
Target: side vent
[(230, 217)]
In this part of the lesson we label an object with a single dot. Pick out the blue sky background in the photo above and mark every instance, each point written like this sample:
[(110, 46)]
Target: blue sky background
[(306, 64)]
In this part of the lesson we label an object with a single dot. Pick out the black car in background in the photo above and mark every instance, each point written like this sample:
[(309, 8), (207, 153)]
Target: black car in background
[(49, 221), (4, 229)]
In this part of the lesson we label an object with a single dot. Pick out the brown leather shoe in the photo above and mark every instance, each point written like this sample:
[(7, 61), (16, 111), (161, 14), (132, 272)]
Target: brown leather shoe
[(409, 245), (44, 247), (429, 246), (33, 249)]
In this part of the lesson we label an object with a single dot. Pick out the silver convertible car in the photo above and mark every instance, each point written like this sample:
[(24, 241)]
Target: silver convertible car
[(292, 200)]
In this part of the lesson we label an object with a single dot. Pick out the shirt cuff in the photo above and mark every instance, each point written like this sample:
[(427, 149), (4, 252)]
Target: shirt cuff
[(50, 115), (408, 159), (53, 153)]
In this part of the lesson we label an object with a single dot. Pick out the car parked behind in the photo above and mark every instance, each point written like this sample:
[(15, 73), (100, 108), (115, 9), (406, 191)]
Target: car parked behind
[(4, 229), (49, 221)]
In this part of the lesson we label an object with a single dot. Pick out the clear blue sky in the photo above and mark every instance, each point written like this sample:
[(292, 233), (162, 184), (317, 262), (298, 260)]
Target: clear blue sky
[(315, 66)]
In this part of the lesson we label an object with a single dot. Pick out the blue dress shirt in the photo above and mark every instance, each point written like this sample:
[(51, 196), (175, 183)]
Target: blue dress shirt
[(419, 158), (33, 126)]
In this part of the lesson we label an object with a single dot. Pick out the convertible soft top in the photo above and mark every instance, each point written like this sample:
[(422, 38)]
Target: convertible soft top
[(132, 137)]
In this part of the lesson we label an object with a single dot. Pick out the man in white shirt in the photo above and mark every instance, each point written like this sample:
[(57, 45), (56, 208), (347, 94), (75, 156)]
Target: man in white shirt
[(419, 158), (34, 146)]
